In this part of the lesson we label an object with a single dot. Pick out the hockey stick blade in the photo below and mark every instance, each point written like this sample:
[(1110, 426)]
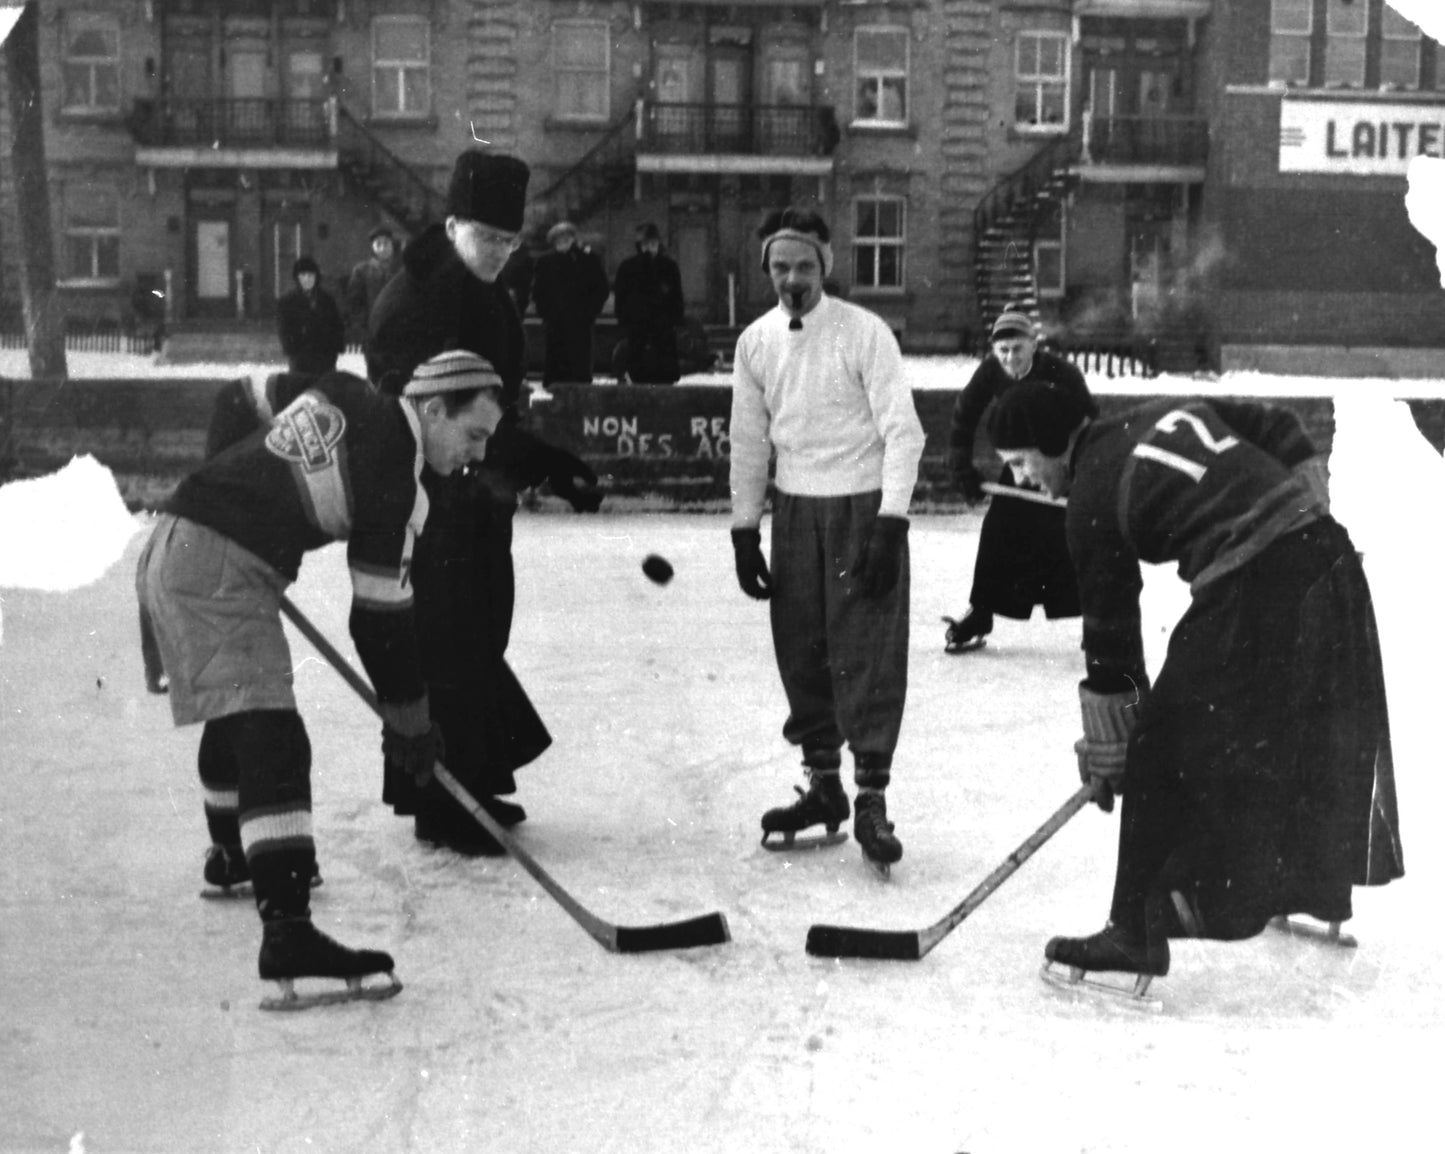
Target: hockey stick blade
[(912, 945), (706, 930), (1036, 496)]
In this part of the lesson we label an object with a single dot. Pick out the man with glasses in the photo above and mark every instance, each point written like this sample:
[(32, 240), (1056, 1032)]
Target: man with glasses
[(447, 296)]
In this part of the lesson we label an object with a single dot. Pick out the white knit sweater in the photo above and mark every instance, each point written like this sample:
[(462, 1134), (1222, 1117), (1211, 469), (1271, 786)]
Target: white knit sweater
[(832, 400)]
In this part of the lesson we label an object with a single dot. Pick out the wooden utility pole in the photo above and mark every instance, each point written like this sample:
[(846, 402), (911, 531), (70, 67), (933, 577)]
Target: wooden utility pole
[(44, 322)]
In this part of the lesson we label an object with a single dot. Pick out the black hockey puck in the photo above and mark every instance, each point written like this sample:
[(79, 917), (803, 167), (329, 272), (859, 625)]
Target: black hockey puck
[(658, 569)]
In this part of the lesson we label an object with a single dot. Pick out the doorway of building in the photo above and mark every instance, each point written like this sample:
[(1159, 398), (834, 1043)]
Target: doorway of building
[(285, 233), (692, 241), (210, 277)]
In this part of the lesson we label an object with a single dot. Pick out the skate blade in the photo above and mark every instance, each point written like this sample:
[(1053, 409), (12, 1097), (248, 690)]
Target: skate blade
[(791, 842), (354, 991), (1073, 980), (228, 893), (1301, 926), (884, 869)]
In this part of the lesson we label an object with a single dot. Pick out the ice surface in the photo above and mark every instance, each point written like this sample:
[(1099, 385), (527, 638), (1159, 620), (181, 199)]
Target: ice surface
[(128, 1011)]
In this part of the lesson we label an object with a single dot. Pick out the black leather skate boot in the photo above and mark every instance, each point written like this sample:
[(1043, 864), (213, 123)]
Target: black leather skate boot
[(874, 831), (823, 803), (226, 867), (968, 632), (1111, 950)]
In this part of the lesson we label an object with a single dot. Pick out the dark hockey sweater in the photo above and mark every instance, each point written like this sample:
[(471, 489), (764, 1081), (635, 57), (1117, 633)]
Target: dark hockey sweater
[(340, 463), (1207, 484)]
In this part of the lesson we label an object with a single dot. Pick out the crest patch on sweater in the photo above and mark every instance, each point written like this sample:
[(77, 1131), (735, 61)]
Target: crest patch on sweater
[(307, 433)]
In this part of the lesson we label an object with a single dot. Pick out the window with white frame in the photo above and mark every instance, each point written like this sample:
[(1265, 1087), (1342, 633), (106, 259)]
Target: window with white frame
[(1041, 80), (1290, 25), (92, 233), (1346, 22), (400, 66), (581, 64), (1049, 267), (1399, 51), (880, 71), (878, 242), (91, 64)]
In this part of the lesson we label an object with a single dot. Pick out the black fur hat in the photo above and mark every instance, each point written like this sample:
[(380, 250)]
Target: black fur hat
[(489, 188)]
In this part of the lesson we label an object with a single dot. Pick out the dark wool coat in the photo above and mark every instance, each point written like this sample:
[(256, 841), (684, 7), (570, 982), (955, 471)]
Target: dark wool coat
[(1022, 559), (312, 335), (462, 569), (569, 289), (1258, 780), (647, 293), (367, 279)]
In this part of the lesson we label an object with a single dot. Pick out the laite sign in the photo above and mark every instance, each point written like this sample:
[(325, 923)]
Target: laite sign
[(1357, 137)]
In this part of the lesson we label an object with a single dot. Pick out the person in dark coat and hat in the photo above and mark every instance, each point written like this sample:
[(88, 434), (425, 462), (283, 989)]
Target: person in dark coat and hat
[(1256, 771), (569, 288), (648, 295), (1022, 560), (447, 296), (309, 323), (369, 277)]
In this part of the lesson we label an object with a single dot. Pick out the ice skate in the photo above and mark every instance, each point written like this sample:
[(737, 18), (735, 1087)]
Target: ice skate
[(875, 832), (293, 948), (1317, 929), (824, 803), (968, 632), (459, 833), (228, 876), (1108, 951)]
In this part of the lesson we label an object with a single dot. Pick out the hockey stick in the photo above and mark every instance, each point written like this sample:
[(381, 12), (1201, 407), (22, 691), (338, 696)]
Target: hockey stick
[(911, 945), (706, 930), (1033, 495)]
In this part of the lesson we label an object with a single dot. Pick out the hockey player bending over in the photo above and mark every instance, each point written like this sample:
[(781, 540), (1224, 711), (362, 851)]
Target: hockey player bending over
[(820, 382), (340, 462), (1255, 774)]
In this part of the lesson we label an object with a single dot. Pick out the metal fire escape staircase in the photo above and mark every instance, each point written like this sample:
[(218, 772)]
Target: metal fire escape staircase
[(1006, 225), (597, 179), (382, 178)]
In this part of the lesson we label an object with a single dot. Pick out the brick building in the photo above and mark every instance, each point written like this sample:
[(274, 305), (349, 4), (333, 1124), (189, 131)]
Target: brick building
[(1118, 163)]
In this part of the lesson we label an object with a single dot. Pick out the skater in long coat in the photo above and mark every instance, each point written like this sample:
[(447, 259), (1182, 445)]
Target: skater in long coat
[(1256, 773), (569, 288), (1022, 559), (447, 296)]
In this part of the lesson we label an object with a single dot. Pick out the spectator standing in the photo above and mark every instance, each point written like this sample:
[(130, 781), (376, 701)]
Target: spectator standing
[(647, 294), (819, 383), (368, 278), (309, 323), (569, 290), (445, 297)]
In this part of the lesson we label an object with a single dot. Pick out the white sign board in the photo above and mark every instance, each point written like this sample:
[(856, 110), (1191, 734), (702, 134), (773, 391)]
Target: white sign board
[(1358, 137)]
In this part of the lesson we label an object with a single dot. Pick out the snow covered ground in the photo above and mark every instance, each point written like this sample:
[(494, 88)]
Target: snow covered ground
[(128, 1006)]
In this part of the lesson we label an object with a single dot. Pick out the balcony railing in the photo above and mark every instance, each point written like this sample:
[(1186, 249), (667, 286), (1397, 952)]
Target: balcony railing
[(1181, 141), (740, 129), (252, 123)]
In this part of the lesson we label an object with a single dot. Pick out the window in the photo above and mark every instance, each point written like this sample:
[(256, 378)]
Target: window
[(1049, 267), (1399, 51), (1041, 74), (401, 66), (92, 233), (1290, 25), (581, 62), (880, 69), (91, 68), (878, 243), (1346, 22)]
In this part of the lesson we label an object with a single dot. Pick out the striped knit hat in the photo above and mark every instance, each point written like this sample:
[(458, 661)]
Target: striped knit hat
[(1013, 322), (451, 372)]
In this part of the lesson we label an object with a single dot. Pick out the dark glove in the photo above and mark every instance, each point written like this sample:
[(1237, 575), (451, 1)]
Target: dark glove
[(882, 557), (413, 754), (753, 576), (967, 481), (1109, 719), (573, 480)]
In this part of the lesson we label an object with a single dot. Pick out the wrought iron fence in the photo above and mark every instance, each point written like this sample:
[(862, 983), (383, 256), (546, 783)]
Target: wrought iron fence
[(1175, 140), (138, 343), (748, 129), (251, 123)]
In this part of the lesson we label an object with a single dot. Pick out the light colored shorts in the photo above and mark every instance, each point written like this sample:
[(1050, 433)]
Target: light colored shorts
[(215, 609)]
